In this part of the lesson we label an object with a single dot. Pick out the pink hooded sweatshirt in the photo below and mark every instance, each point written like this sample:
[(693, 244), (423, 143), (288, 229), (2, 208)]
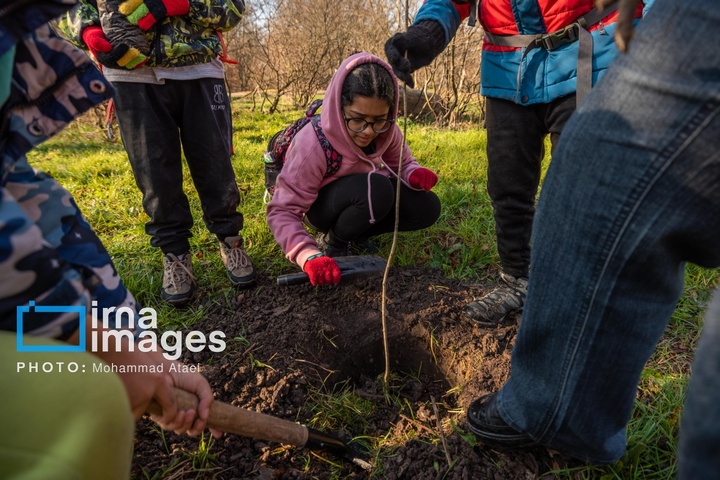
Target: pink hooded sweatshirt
[(303, 174)]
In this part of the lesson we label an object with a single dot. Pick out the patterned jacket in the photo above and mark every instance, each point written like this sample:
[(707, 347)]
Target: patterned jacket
[(176, 41), (538, 75), (49, 255)]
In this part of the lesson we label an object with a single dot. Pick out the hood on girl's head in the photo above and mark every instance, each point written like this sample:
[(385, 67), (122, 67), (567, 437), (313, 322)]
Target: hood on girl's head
[(332, 118)]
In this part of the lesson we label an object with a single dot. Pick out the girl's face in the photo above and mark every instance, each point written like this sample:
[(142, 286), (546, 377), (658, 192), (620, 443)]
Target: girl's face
[(365, 117)]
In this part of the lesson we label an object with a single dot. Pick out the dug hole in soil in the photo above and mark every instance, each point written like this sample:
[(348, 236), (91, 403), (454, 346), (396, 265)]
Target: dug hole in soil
[(300, 342)]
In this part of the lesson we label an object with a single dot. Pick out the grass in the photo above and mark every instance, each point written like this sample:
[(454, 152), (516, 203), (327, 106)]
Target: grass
[(462, 244)]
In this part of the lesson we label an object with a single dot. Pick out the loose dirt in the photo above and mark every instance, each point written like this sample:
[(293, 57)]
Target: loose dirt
[(289, 347)]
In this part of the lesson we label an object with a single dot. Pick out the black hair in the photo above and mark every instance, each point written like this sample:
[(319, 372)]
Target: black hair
[(368, 80)]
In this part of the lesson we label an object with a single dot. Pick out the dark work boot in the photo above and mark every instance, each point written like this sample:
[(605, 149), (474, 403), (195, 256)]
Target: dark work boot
[(332, 246), (484, 420)]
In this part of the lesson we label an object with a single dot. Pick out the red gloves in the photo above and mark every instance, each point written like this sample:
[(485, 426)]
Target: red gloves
[(146, 13), (122, 56), (322, 270), (423, 178)]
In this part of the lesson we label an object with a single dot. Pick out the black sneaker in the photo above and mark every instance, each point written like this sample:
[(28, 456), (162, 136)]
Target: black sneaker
[(239, 266), (178, 284), (485, 422), (333, 246), (363, 246), (493, 307)]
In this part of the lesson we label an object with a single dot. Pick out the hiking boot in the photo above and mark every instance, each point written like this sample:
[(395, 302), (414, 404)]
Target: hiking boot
[(178, 284), (333, 246), (238, 264), (493, 307), (363, 246)]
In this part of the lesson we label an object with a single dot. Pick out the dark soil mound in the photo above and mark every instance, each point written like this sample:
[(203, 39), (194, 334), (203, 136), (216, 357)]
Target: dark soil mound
[(294, 344)]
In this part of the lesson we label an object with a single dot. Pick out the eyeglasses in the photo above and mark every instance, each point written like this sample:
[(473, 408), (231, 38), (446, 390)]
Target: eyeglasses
[(357, 125)]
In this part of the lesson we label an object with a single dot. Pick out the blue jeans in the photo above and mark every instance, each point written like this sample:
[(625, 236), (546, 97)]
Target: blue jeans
[(699, 452), (613, 232)]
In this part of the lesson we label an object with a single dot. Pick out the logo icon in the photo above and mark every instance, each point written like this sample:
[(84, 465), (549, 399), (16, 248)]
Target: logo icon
[(218, 97), (32, 310)]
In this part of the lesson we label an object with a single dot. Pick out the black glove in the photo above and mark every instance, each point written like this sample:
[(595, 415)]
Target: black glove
[(423, 42)]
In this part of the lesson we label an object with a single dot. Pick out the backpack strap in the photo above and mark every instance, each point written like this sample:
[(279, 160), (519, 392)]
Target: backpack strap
[(313, 108), (332, 157)]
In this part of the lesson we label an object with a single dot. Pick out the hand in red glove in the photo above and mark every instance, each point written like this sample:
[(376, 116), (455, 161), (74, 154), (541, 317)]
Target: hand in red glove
[(146, 13), (423, 178), (122, 56), (322, 270)]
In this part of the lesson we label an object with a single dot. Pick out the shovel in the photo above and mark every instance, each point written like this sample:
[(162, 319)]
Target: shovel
[(356, 266), (248, 423)]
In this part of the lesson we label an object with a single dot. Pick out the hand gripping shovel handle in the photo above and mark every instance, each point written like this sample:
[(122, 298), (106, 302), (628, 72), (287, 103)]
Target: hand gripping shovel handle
[(240, 421), (247, 423)]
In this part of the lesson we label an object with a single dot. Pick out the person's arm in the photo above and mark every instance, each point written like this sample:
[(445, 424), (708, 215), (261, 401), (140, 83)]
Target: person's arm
[(296, 190), (434, 27), (143, 387)]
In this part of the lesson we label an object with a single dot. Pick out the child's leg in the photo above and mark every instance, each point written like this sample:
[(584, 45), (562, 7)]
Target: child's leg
[(344, 206), (418, 210)]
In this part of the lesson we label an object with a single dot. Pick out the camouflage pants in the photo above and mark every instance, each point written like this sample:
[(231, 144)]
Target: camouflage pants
[(49, 254)]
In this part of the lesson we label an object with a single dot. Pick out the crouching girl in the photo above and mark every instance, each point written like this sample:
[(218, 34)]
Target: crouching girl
[(354, 199)]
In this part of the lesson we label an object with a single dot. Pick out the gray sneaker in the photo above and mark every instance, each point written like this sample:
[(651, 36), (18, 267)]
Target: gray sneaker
[(178, 281), (493, 307), (238, 264)]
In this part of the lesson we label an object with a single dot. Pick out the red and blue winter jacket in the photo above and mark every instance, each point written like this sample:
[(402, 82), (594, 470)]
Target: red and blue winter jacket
[(539, 76)]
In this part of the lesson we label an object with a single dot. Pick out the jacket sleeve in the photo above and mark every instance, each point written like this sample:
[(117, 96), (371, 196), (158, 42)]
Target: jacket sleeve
[(72, 24), (296, 190), (118, 29), (49, 256), (448, 13), (220, 15)]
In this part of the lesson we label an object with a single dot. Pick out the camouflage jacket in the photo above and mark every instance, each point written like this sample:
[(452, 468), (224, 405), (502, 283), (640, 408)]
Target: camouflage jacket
[(176, 41), (49, 255), (52, 83)]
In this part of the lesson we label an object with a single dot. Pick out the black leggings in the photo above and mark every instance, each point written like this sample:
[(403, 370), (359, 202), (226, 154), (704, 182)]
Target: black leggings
[(343, 207)]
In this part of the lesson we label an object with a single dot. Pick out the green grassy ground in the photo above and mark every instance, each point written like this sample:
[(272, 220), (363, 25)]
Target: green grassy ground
[(461, 243)]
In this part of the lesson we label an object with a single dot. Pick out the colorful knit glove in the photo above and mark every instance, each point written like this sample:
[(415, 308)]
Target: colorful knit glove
[(422, 42), (322, 270), (423, 178), (122, 56), (146, 13)]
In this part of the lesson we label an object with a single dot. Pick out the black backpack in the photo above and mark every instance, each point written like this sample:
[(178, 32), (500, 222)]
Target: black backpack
[(278, 146)]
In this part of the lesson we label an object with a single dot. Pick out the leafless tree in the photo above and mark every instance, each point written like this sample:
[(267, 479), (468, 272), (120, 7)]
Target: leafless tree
[(289, 49)]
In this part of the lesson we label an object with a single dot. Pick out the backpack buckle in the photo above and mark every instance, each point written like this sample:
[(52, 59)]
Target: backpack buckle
[(551, 41)]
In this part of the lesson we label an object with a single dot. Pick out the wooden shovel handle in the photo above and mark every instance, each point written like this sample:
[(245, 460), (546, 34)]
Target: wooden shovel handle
[(240, 421)]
